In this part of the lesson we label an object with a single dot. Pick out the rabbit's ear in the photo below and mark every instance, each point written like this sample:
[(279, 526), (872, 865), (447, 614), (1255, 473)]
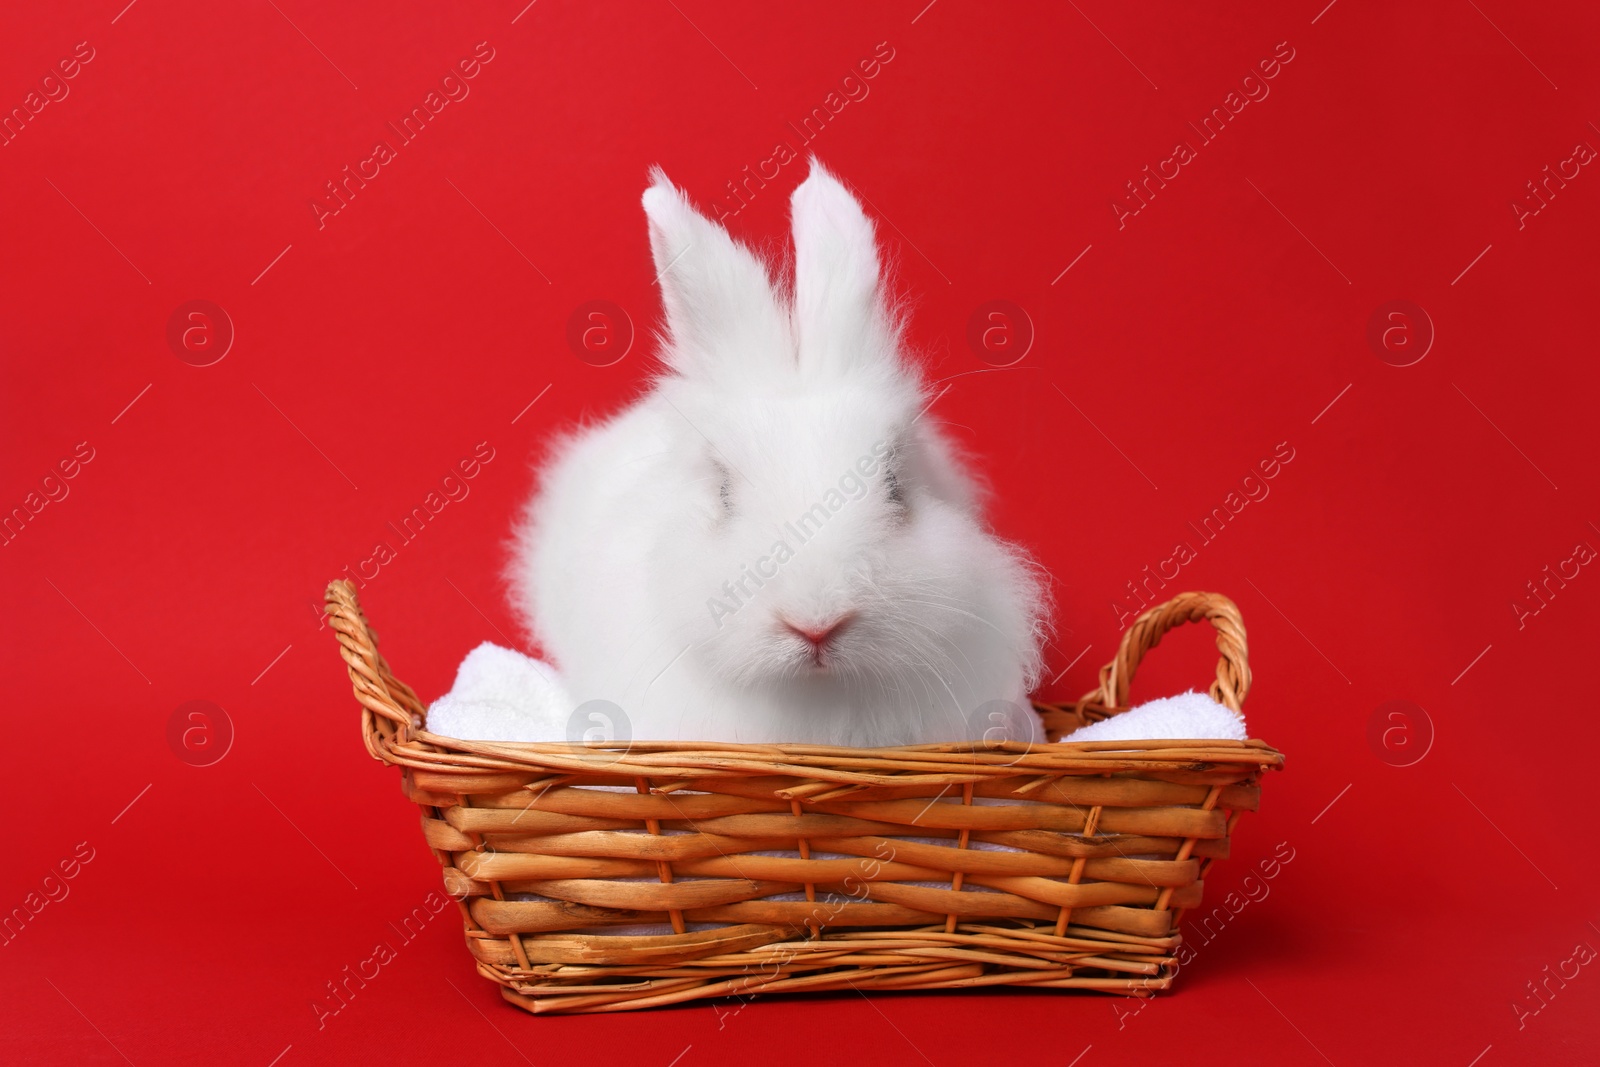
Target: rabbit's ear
[(724, 318), (840, 315)]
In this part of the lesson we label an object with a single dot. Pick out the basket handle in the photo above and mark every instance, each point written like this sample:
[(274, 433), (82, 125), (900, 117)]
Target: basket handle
[(1233, 669), (378, 690)]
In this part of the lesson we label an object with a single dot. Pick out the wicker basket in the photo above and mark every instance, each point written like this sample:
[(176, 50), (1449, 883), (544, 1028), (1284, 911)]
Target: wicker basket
[(1105, 845)]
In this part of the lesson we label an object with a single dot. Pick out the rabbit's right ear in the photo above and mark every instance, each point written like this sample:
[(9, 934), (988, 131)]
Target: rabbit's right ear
[(841, 318), (724, 319)]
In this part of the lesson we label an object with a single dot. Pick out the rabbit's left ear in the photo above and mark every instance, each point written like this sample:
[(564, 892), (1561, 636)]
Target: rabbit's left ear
[(840, 316)]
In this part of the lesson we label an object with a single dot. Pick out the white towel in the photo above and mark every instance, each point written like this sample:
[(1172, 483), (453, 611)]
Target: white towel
[(1186, 715), (502, 695)]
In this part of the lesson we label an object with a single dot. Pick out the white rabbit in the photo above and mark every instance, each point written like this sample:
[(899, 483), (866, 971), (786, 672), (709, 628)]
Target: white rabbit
[(776, 543)]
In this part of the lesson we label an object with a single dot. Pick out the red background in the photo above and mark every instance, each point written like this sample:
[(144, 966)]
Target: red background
[(1223, 319)]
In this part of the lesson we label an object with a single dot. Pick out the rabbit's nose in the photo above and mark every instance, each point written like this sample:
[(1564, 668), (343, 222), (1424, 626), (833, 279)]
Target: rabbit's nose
[(818, 635)]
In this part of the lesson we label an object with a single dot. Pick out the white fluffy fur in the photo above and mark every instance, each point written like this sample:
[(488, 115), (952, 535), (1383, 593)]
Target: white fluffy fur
[(773, 394)]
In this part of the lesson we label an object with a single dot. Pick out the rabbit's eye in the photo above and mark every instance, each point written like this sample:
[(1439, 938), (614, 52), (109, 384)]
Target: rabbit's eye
[(724, 486), (892, 489)]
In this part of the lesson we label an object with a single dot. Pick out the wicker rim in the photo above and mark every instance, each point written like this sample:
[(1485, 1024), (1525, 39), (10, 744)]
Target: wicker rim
[(1233, 668)]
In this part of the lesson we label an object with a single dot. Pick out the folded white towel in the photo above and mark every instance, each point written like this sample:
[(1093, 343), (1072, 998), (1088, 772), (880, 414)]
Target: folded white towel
[(502, 695), (1186, 715)]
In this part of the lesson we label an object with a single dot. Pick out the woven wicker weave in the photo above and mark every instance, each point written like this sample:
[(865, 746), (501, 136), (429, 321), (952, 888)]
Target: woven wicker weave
[(1105, 845)]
